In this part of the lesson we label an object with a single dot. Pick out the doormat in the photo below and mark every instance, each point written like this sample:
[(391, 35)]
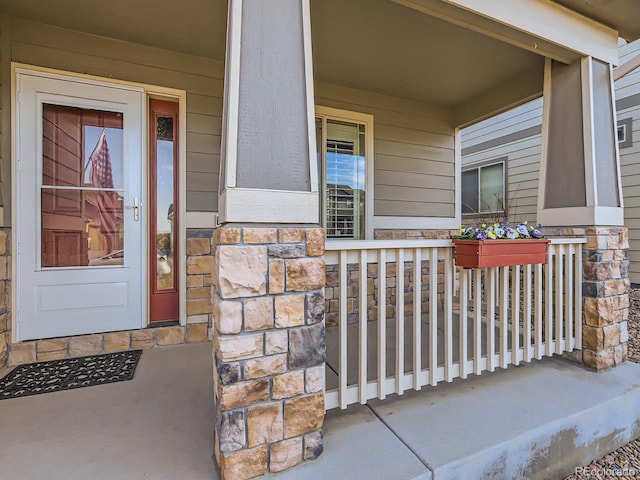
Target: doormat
[(68, 373)]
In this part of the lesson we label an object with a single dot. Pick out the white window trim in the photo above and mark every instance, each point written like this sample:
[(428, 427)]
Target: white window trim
[(150, 91), (367, 120), (479, 166)]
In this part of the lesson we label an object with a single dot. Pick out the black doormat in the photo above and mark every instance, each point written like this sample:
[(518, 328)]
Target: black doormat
[(56, 375)]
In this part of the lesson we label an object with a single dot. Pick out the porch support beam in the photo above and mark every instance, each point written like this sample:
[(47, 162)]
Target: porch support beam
[(580, 186), (539, 26), (268, 275)]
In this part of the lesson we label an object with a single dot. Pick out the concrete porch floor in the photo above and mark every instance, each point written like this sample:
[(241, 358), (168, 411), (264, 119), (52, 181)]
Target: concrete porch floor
[(538, 420)]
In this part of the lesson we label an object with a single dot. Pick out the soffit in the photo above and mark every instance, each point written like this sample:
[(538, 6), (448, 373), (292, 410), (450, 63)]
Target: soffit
[(621, 15)]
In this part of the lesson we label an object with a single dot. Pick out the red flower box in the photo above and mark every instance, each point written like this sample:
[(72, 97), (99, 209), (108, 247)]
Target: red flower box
[(500, 253)]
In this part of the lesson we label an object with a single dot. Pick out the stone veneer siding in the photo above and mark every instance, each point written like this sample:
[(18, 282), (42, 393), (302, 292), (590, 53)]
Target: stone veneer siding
[(269, 348), (197, 329), (605, 292)]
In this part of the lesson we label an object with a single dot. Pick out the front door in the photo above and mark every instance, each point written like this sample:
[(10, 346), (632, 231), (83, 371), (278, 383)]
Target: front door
[(79, 238)]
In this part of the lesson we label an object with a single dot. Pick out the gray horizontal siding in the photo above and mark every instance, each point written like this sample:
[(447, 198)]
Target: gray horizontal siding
[(201, 78), (414, 169)]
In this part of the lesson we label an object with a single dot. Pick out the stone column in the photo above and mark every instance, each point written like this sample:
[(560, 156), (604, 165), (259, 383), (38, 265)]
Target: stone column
[(606, 301), (269, 348), (580, 186)]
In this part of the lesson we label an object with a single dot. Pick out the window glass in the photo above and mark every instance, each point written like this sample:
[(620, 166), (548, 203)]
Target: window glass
[(492, 188), (470, 191)]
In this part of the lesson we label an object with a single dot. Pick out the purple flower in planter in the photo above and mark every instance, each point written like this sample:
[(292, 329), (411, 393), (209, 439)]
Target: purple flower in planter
[(481, 235), (535, 233), (522, 230), (511, 233), (500, 232)]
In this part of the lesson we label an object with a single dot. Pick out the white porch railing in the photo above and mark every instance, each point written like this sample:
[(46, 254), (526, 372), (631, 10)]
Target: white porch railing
[(452, 321)]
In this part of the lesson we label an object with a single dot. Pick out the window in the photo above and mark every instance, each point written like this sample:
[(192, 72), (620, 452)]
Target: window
[(624, 133), (483, 189), (341, 145)]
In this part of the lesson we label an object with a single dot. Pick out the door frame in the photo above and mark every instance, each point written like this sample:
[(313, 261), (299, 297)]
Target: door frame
[(149, 91)]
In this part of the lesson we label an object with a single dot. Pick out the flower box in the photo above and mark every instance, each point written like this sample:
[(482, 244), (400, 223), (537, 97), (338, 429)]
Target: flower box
[(500, 253)]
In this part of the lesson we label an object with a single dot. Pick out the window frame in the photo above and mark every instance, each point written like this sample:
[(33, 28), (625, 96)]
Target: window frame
[(626, 124), (330, 113), (505, 190)]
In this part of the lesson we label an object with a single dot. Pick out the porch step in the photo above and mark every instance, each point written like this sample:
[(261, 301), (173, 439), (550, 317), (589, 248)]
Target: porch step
[(534, 421)]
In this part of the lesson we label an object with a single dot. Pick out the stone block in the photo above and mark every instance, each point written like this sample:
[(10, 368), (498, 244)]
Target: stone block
[(232, 431), (117, 341), (170, 335), (287, 251), (242, 394), (307, 346), (142, 339), (615, 287), (611, 335), (51, 345), (276, 276), (290, 235), (305, 274), (600, 360), (240, 347), (599, 311), (199, 306), (199, 292), (3, 243), (199, 265), (20, 353), (194, 281), (197, 333), (276, 342), (313, 445), (228, 373), (303, 415), (227, 315), (289, 311), (265, 366), (314, 379), (315, 305), (285, 454), (85, 345), (241, 271), (227, 235), (195, 319), (198, 246), (620, 353), (315, 242), (259, 235), (258, 314), (624, 332), (288, 385), (592, 337), (244, 464), (597, 271), (265, 424), (47, 356)]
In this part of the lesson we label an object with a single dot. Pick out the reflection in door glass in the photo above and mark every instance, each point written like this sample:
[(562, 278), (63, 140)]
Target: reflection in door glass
[(164, 203), (81, 196)]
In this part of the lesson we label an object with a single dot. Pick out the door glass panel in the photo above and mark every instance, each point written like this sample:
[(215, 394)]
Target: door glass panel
[(165, 181), (82, 192)]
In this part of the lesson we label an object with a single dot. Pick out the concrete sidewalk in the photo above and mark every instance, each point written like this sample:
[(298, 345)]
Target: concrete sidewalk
[(533, 421)]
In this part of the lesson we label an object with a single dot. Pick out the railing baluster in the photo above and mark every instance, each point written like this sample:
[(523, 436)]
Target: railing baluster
[(449, 278), (528, 299), (362, 365), (464, 310), (538, 312), (477, 323), (548, 288), (578, 296), (342, 359), (504, 316), (559, 303), (491, 318), (417, 317), (568, 319), (515, 314), (399, 320), (382, 323), (433, 316)]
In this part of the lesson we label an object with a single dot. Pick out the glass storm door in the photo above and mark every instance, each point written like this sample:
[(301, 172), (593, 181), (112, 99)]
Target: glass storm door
[(79, 235), (163, 208)]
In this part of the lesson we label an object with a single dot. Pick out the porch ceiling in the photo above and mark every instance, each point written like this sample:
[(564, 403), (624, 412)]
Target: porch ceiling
[(621, 15)]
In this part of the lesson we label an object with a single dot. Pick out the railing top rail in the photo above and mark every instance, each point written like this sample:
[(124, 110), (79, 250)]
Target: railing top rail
[(337, 245)]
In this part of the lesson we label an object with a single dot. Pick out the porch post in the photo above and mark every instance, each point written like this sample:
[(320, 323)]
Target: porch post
[(580, 185), (268, 271)]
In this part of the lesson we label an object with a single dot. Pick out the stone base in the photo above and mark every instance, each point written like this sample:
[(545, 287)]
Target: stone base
[(269, 348)]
